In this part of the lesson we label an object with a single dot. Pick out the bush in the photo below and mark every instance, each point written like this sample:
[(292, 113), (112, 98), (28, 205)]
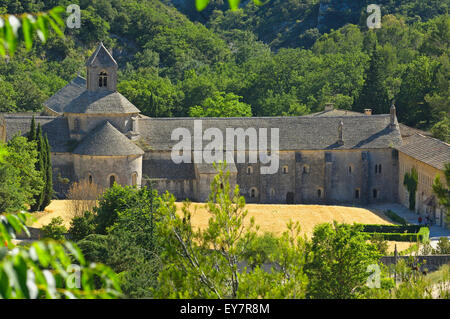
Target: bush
[(424, 234), (367, 228), (443, 246), (55, 229), (82, 226), (379, 241), (395, 218), (421, 236)]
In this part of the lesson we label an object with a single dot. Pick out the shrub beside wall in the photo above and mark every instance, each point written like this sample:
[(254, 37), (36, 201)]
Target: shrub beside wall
[(368, 228), (422, 236)]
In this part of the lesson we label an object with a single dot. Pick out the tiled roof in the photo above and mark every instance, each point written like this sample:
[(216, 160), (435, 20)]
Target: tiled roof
[(167, 169), (59, 101), (106, 140), (295, 133), (56, 128), (100, 102), (101, 57), (427, 150), (336, 112), (407, 131)]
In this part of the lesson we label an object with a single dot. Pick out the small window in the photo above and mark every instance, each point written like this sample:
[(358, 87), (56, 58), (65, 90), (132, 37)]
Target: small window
[(134, 179), (319, 193), (249, 170), (375, 193), (76, 125), (90, 179), (357, 193), (379, 169), (102, 79), (305, 169), (285, 169), (112, 180), (350, 169), (253, 192), (376, 169)]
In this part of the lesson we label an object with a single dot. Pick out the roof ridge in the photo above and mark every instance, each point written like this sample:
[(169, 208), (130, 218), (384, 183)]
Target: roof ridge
[(434, 138)]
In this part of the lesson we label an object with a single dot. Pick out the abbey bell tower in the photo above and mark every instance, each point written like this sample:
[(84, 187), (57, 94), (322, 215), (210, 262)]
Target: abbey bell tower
[(101, 71)]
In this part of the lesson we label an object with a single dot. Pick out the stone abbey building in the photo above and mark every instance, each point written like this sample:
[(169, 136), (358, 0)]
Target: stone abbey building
[(330, 157)]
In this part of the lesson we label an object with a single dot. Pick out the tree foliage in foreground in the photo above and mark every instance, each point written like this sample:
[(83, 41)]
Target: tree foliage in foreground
[(211, 263), (48, 269), (338, 261)]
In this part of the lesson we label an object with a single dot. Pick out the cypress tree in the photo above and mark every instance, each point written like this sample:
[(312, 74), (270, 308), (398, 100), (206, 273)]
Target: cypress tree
[(374, 94), (48, 188), (32, 133), (40, 167)]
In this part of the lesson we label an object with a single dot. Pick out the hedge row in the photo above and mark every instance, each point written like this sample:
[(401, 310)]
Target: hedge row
[(423, 236), (395, 218), (411, 229)]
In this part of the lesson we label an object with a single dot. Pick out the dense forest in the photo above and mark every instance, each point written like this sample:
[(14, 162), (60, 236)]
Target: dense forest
[(286, 57)]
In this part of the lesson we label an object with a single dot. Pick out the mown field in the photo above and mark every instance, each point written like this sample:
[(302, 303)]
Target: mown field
[(270, 218)]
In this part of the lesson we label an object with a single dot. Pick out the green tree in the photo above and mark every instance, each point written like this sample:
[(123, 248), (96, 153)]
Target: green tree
[(441, 129), (442, 191), (374, 94), (129, 244), (339, 255), (48, 188), (55, 229), (417, 83), (49, 270), (222, 104), (7, 97), (204, 263), (41, 165), (20, 182), (410, 180)]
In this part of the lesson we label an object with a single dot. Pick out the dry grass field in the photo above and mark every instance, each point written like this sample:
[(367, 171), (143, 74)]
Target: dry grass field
[(270, 218)]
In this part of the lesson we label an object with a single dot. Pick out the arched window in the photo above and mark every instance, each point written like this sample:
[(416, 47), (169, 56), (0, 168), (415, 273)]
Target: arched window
[(375, 193), (249, 170), (253, 192), (350, 169), (319, 193), (285, 169), (379, 169), (90, 179), (112, 180), (134, 177), (376, 169), (103, 79), (357, 193)]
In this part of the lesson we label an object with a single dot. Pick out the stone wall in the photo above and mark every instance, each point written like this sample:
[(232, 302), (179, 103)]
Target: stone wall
[(426, 176), (88, 122), (101, 168), (430, 262)]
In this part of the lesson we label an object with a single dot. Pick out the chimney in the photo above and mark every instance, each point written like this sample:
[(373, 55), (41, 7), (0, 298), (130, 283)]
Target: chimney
[(393, 115), (340, 134), (368, 111), (329, 106)]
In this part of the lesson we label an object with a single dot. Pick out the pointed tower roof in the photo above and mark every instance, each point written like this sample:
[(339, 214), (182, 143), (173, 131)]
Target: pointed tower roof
[(101, 57), (106, 140)]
